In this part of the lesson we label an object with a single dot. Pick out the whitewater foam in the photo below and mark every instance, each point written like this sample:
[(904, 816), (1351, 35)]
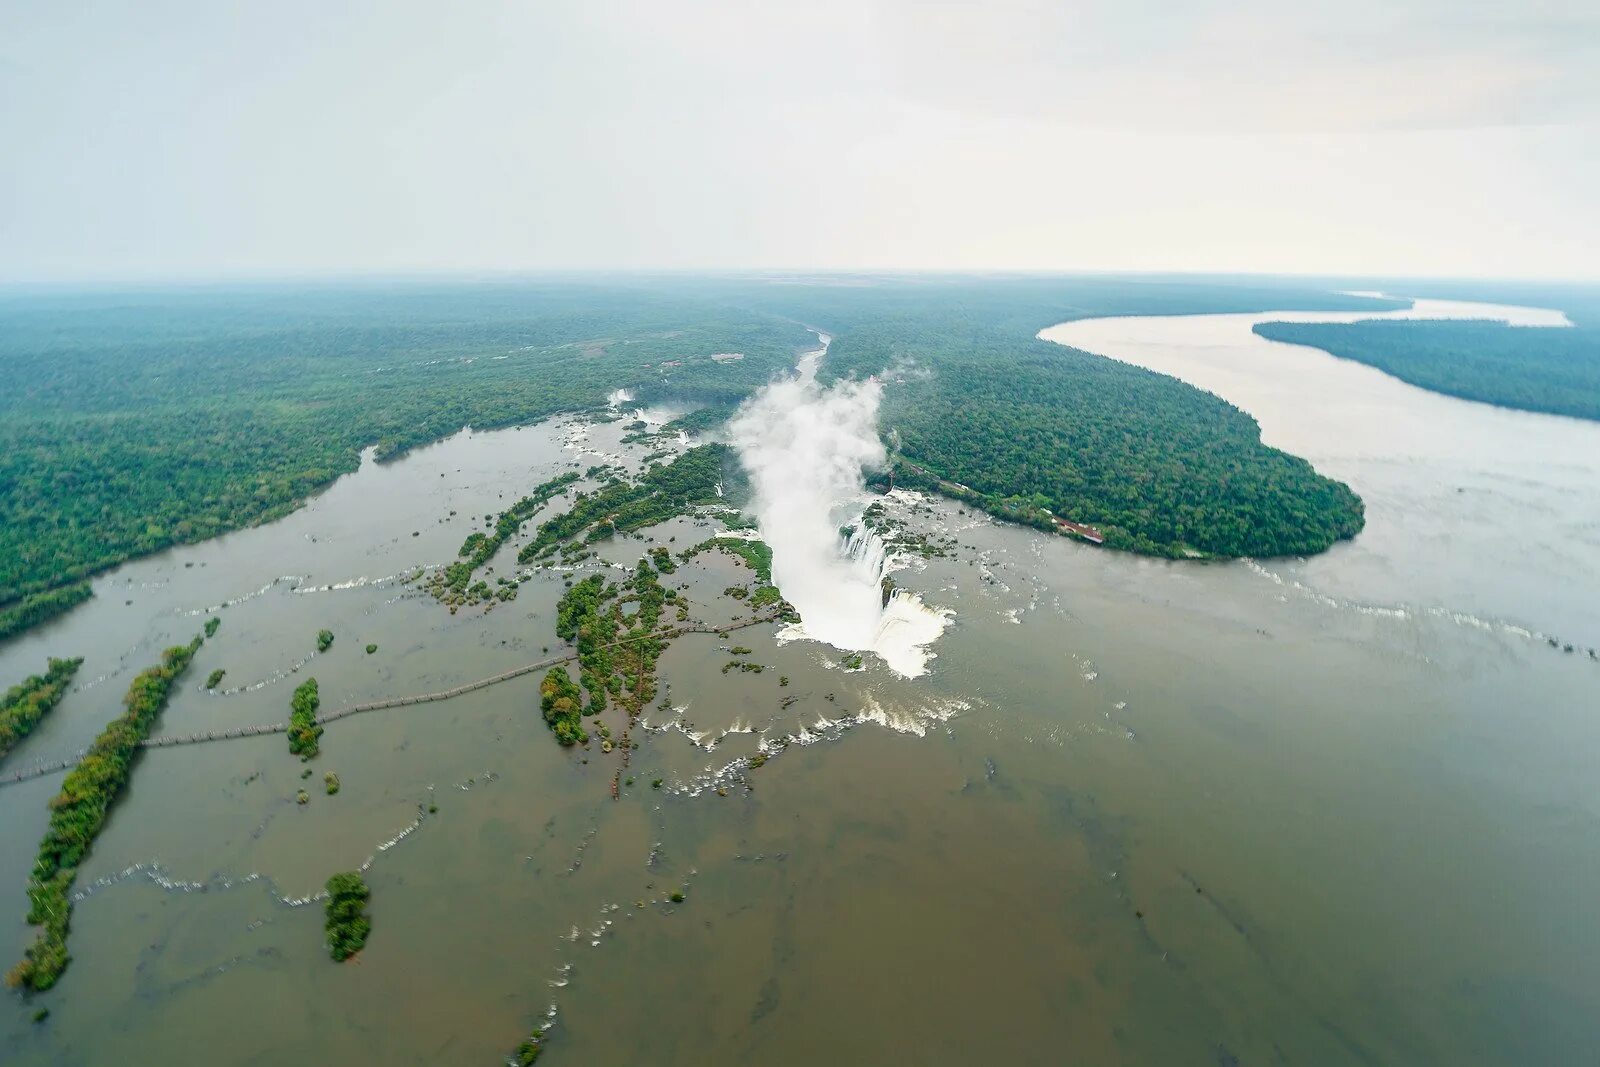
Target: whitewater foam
[(805, 447)]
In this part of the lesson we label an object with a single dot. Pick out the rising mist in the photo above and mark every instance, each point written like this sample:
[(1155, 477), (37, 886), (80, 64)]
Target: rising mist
[(805, 447)]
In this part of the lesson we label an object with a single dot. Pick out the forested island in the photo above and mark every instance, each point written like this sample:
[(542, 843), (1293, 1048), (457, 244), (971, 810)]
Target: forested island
[(79, 811), (304, 730), (28, 702), (1555, 370), (134, 421), (347, 923)]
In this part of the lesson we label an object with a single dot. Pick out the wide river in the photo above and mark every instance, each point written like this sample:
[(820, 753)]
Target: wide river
[(1325, 811)]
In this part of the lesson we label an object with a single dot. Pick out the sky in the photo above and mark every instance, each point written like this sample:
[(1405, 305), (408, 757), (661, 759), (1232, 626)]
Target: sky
[(210, 139)]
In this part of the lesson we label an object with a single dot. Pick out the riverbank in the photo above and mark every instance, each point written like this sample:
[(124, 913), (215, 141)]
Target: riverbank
[(1448, 484)]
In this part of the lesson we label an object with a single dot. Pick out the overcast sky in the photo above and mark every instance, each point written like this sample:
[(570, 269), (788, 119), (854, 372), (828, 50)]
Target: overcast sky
[(197, 138)]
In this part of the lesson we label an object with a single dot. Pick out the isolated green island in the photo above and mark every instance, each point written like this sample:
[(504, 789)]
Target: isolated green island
[(348, 923), (304, 730), (78, 813), (25, 704)]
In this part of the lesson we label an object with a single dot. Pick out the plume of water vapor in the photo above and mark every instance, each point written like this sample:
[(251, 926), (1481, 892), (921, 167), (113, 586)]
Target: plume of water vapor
[(805, 447)]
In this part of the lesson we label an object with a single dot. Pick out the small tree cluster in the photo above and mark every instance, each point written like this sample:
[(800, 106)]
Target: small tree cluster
[(303, 727), (562, 703), (348, 923)]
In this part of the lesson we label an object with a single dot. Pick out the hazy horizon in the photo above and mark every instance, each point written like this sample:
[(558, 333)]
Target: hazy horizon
[(190, 142)]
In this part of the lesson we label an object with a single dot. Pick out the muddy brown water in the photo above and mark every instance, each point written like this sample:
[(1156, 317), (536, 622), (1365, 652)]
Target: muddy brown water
[(1138, 812)]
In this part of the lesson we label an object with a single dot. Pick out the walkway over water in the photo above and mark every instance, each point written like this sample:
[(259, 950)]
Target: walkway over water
[(201, 737)]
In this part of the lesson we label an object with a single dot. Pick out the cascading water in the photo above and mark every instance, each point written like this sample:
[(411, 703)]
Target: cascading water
[(805, 447)]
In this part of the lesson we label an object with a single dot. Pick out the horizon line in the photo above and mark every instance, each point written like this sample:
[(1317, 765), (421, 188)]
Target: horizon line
[(186, 280)]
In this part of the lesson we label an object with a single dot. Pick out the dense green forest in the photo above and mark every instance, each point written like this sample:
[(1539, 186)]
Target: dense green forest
[(25, 704), (617, 648), (346, 921), (1158, 466), (622, 507), (1550, 369), (31, 610), (304, 730), (136, 420), (973, 397)]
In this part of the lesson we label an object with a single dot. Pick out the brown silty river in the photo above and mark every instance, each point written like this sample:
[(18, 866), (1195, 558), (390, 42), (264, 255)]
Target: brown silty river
[(1336, 810)]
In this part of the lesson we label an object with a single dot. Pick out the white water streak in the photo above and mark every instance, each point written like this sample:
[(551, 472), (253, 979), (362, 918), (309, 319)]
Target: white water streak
[(805, 447)]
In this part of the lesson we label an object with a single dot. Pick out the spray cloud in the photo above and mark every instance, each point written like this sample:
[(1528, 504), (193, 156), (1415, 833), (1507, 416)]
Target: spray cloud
[(805, 447)]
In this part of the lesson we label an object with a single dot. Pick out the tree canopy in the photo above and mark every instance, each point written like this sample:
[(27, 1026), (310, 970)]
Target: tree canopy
[(1555, 370)]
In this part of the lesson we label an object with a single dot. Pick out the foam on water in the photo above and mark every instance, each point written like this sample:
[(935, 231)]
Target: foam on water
[(805, 447), (1399, 613), (154, 872)]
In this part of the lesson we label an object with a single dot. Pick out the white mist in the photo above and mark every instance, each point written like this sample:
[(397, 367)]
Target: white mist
[(805, 448)]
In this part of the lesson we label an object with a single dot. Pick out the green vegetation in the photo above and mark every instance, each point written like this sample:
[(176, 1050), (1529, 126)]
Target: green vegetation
[(614, 627), (347, 922), (561, 700), (757, 555), (330, 782), (617, 651), (36, 608), (214, 679), (371, 649), (78, 812), (303, 727), (701, 421), (1550, 369), (134, 421), (979, 408), (623, 507), (453, 585), (30, 700), (532, 1045), (211, 626), (1031, 430), (898, 539), (324, 640)]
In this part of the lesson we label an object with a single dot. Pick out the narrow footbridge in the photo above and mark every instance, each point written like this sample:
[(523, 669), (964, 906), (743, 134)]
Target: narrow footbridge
[(201, 737)]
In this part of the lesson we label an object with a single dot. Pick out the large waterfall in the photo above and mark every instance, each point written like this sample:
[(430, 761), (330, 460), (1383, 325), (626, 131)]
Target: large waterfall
[(805, 448)]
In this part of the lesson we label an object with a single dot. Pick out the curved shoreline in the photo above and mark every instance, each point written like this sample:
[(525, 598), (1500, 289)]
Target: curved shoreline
[(1450, 485)]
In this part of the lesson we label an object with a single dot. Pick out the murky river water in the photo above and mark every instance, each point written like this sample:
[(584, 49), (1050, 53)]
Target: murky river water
[(1332, 811)]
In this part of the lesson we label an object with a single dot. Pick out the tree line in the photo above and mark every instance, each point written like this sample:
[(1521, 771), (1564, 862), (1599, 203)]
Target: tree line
[(1555, 370)]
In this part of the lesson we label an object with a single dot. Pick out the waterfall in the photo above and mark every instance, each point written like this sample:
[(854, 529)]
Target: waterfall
[(805, 447)]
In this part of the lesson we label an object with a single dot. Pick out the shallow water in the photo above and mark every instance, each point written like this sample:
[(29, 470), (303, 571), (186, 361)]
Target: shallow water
[(1138, 811)]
